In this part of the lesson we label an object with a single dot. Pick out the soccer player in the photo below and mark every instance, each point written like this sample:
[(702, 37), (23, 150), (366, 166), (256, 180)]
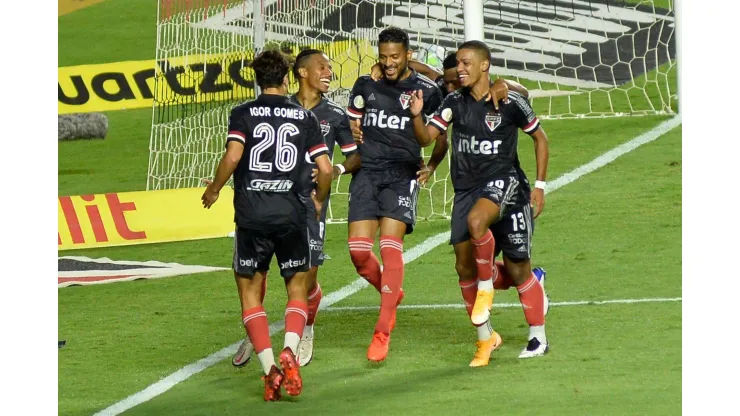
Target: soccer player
[(313, 71), (383, 192), (491, 203), (265, 149)]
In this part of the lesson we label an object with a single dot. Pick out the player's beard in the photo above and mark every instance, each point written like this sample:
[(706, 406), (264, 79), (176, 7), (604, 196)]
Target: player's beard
[(400, 71)]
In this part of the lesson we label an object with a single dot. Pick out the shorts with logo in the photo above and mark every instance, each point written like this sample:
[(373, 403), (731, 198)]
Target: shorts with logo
[(391, 193), (253, 250), (316, 230), (502, 191), (513, 233)]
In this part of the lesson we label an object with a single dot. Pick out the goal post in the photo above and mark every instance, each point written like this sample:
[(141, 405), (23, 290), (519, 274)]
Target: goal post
[(578, 58)]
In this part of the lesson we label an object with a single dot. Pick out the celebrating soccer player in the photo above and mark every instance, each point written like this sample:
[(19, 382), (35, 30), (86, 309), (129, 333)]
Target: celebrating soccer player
[(313, 71), (266, 143), (492, 206), (383, 192)]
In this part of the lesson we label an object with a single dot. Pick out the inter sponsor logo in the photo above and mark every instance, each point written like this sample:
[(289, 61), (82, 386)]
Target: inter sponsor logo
[(382, 120), (476, 147)]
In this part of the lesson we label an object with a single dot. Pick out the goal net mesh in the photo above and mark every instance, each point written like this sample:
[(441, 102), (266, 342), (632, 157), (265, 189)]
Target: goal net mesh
[(579, 59)]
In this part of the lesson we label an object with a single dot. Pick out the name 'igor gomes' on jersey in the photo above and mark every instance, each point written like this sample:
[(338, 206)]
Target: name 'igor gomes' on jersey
[(384, 108)]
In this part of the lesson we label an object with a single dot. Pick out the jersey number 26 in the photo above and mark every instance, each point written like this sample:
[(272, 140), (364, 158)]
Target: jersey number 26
[(286, 154)]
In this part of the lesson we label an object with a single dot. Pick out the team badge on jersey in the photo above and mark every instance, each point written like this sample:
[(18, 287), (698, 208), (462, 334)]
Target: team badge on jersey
[(325, 127), (447, 115), (359, 102), (493, 121), (405, 100)]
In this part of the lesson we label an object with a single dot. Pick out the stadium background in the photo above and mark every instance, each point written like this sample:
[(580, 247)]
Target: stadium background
[(612, 235)]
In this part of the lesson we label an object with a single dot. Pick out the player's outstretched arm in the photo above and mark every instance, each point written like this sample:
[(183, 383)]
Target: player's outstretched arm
[(500, 91), (376, 72), (225, 169), (517, 87), (424, 69), (542, 155)]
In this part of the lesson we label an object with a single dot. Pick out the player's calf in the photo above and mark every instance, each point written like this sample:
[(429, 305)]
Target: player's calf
[(365, 261), (483, 249), (305, 347), (532, 298)]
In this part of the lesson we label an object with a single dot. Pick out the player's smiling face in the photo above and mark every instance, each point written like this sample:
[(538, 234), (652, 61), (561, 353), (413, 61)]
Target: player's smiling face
[(394, 58), (319, 72), (470, 67)]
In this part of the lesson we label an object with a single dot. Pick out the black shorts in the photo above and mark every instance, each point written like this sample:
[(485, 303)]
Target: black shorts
[(513, 233), (391, 194), (502, 191), (253, 250), (316, 230)]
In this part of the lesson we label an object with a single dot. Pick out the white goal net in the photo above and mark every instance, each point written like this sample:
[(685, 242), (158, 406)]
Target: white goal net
[(578, 58)]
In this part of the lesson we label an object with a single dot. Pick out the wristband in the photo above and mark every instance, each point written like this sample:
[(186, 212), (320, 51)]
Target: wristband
[(540, 184), (341, 168)]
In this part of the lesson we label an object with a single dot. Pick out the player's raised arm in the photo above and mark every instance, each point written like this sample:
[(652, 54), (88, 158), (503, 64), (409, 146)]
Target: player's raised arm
[(424, 69), (422, 133), (527, 121), (229, 161), (500, 91), (517, 87)]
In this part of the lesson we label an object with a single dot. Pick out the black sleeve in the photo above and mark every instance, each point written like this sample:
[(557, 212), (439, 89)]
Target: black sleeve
[(237, 131), (314, 139), (432, 100), (356, 107), (523, 113), (442, 118), (344, 136)]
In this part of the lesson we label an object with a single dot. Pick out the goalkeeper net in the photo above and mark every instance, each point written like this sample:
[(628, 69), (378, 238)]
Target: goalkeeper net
[(578, 58)]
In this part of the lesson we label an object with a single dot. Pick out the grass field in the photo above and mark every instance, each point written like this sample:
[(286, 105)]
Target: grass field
[(612, 234)]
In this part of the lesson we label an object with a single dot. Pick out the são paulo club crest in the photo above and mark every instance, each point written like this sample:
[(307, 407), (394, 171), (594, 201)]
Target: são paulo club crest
[(325, 127), (405, 100), (493, 121)]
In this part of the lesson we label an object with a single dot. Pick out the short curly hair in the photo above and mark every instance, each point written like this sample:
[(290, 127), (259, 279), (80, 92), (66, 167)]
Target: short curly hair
[(300, 60), (270, 68), (394, 35), (450, 61)]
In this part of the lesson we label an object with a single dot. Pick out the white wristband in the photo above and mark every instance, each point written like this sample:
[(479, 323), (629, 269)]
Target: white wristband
[(341, 168), (540, 184)]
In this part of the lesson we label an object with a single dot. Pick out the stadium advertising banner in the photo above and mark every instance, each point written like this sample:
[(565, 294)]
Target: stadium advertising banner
[(127, 218), (183, 80)]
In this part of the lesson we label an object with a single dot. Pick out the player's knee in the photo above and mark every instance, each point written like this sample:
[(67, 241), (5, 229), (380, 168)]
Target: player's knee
[(360, 257), (464, 271), (518, 269), (477, 224)]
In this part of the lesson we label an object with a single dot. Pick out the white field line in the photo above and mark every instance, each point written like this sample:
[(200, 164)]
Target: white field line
[(410, 255), (509, 305)]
